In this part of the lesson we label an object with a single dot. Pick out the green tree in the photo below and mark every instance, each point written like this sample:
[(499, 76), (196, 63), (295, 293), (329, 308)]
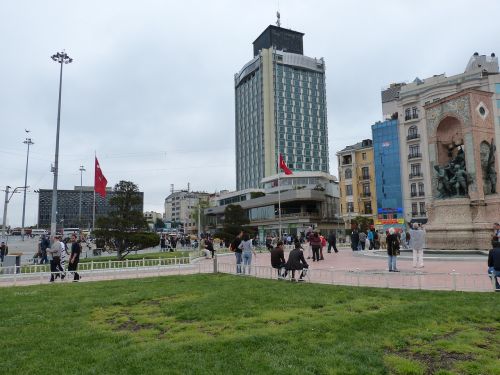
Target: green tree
[(124, 228), (361, 223), (159, 224), (202, 204), (235, 219)]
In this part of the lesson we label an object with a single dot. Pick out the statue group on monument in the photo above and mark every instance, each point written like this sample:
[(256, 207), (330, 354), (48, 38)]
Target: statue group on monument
[(452, 178)]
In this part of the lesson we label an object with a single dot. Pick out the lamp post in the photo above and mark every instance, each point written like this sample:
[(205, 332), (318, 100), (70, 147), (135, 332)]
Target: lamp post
[(61, 58), (28, 142), (82, 169), (6, 203)]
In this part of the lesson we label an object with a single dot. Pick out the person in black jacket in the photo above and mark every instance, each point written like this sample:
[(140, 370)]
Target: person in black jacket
[(295, 262), (494, 263), (392, 249), (235, 246), (278, 258), (332, 242)]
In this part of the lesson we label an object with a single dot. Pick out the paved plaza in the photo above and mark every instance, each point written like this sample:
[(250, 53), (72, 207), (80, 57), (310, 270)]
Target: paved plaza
[(459, 271)]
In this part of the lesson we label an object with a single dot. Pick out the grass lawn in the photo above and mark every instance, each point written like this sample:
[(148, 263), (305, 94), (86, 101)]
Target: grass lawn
[(222, 324)]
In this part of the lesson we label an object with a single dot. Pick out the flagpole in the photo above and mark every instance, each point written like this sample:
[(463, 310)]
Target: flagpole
[(93, 206), (278, 148)]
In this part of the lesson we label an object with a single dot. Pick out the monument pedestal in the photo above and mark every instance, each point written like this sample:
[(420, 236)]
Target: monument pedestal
[(461, 223)]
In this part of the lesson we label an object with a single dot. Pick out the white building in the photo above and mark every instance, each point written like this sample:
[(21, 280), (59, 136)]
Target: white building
[(408, 100), (180, 206)]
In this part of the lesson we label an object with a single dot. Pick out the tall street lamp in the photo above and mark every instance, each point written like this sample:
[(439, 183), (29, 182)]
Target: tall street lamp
[(28, 142), (82, 169), (61, 58)]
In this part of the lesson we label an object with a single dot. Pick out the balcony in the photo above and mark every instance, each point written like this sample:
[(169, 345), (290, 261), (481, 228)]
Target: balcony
[(413, 194), (410, 137), (365, 177), (421, 193), (414, 155), (366, 195), (409, 117), (416, 214), (411, 176)]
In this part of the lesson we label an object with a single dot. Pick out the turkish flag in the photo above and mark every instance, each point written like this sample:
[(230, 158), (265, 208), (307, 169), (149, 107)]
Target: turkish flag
[(283, 166), (100, 181)]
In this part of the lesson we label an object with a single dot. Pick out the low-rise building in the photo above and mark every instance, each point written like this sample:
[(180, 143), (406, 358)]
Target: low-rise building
[(180, 207), (307, 199), (68, 206), (357, 182)]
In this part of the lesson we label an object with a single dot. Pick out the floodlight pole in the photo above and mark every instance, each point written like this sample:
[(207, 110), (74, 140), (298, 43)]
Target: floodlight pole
[(61, 58), (29, 143), (82, 169)]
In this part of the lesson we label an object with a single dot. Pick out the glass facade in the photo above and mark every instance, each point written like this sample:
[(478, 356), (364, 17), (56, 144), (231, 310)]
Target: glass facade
[(302, 133), (387, 171), (300, 116)]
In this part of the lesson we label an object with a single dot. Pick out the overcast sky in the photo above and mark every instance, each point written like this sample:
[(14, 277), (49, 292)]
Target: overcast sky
[(151, 86)]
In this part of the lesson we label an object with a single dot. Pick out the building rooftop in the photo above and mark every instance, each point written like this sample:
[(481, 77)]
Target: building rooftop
[(365, 143)]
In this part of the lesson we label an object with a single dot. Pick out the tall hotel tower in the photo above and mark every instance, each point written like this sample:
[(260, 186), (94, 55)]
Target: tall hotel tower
[(280, 108)]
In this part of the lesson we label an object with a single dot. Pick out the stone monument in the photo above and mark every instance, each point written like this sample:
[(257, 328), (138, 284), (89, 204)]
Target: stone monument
[(462, 155)]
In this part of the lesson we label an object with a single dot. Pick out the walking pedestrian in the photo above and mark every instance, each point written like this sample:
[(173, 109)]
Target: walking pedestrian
[(44, 245), (55, 255), (210, 247), (332, 242), (76, 250), (392, 249)]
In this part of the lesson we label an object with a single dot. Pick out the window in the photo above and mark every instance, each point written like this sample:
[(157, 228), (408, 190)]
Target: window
[(366, 190), (421, 191), (413, 190), (348, 173), (350, 207), (365, 173), (407, 114), (422, 208), (414, 112), (368, 207), (363, 156), (415, 169), (414, 210), (412, 132), (348, 190), (414, 151)]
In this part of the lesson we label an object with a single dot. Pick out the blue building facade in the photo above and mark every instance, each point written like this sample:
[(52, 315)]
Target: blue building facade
[(387, 175)]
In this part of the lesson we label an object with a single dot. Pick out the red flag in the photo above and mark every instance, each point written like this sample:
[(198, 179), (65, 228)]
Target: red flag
[(100, 181), (284, 166)]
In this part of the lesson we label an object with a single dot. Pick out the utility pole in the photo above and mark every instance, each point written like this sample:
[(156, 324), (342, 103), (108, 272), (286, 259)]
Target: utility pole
[(6, 203), (61, 58), (82, 169), (28, 142)]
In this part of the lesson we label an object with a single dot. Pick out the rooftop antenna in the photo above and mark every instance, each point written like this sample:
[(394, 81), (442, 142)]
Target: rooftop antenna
[(278, 21)]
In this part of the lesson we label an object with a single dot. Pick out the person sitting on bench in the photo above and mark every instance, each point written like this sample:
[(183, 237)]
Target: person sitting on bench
[(278, 258), (295, 262)]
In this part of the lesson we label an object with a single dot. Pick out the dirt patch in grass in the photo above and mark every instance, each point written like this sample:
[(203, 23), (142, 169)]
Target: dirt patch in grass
[(133, 326)]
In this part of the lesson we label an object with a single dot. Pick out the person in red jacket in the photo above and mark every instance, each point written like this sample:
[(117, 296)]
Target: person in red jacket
[(315, 243)]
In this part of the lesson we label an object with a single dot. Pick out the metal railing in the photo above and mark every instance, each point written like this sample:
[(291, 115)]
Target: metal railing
[(382, 279), (456, 281)]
